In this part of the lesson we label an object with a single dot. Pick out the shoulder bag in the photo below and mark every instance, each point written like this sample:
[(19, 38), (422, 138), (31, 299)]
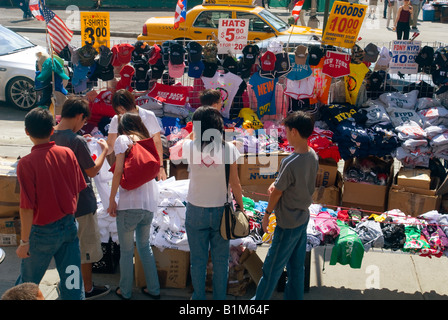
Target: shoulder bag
[(234, 223), (141, 165)]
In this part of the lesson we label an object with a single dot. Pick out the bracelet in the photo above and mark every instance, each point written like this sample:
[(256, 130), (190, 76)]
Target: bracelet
[(162, 166), (269, 213), (23, 243)]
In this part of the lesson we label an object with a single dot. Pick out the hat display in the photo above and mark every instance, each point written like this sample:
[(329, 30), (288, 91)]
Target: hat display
[(194, 50), (371, 53), (122, 54), (268, 61), (195, 69), (176, 70), (315, 53), (301, 54), (209, 69), (86, 55), (157, 69), (105, 57), (210, 52), (250, 54), (357, 54), (425, 57), (282, 64), (155, 54), (177, 54), (230, 64)]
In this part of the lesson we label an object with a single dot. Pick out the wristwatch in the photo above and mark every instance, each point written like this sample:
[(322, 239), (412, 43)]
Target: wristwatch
[(266, 211), (23, 243)]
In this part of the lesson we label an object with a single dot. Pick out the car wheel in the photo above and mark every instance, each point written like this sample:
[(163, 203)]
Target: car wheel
[(20, 92)]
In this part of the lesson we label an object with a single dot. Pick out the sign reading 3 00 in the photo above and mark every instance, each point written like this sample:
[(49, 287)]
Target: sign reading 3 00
[(95, 28)]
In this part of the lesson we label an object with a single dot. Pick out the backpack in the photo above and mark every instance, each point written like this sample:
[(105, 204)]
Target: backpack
[(327, 226)]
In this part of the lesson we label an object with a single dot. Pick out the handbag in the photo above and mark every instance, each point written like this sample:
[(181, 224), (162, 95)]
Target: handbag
[(234, 223), (141, 165)]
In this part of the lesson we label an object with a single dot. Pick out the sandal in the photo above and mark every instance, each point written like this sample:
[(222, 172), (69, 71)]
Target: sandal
[(152, 296), (120, 295)]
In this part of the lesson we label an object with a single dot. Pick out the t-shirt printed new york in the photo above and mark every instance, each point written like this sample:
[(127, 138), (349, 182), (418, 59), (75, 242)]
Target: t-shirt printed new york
[(264, 89)]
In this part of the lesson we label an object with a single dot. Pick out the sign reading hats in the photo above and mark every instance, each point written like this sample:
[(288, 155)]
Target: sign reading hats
[(95, 29), (232, 35), (343, 24), (404, 53)]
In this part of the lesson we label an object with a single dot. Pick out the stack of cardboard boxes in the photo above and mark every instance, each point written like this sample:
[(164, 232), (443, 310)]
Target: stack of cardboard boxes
[(414, 192), (9, 203)]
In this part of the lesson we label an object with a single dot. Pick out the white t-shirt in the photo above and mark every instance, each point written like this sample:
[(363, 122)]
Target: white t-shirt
[(149, 120), (207, 175), (228, 84), (144, 197)]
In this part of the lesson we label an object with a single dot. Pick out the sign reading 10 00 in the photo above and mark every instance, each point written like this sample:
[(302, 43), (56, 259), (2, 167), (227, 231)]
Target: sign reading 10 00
[(95, 28)]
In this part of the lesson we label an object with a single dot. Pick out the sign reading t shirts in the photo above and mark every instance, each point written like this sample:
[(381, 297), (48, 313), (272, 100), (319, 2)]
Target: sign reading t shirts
[(176, 95), (404, 54), (336, 64)]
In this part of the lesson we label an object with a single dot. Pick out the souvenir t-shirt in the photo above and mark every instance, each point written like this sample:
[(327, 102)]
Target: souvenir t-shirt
[(348, 248), (354, 81), (336, 64), (264, 89), (322, 84), (78, 144), (228, 84), (298, 71), (400, 100), (300, 89)]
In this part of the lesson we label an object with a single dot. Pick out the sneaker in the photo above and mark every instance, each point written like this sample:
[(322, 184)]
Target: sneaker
[(97, 291)]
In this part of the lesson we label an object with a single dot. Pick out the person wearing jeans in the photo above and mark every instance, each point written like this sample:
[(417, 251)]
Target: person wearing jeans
[(207, 155), (203, 229)]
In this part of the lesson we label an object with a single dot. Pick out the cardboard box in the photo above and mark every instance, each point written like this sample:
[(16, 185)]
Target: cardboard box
[(413, 201), (9, 231), (367, 196), (417, 178), (259, 168), (253, 264), (9, 188), (179, 171), (330, 195), (172, 267), (257, 192), (326, 175)]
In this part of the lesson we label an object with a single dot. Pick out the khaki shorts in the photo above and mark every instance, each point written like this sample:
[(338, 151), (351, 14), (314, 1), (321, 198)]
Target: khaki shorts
[(89, 238)]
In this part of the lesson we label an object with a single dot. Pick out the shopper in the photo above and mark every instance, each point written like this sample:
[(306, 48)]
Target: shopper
[(134, 212), (24, 291), (123, 101), (50, 180), (290, 196), (74, 115), (207, 97), (206, 155), (416, 5), (402, 22), (392, 9)]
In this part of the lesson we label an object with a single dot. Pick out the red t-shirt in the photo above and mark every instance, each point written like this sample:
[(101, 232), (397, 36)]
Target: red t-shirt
[(50, 179)]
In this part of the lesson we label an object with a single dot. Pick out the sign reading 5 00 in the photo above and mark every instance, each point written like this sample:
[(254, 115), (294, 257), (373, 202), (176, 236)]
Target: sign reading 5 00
[(95, 28)]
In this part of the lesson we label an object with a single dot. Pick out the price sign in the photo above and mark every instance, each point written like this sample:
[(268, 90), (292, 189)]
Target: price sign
[(95, 29), (343, 24), (232, 35), (404, 53)]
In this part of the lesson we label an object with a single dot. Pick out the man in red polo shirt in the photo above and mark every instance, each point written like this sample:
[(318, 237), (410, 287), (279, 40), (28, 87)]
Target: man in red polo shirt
[(50, 180)]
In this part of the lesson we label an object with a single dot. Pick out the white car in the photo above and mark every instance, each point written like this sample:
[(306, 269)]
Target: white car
[(17, 69)]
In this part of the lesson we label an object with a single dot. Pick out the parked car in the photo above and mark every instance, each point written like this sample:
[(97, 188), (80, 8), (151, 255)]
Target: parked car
[(202, 20), (17, 69)]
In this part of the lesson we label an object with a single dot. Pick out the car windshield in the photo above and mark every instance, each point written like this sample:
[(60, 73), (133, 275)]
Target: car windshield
[(11, 42), (275, 21)]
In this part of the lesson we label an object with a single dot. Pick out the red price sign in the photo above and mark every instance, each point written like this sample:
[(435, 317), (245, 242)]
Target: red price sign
[(344, 23), (232, 35)]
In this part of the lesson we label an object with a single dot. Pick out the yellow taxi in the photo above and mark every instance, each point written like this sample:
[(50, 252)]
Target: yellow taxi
[(202, 23)]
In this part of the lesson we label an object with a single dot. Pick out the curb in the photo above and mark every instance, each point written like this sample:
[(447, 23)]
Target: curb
[(75, 32)]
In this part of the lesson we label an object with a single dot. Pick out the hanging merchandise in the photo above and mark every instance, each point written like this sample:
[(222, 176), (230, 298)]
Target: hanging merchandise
[(336, 64), (322, 82), (264, 89), (300, 68), (251, 120), (354, 81)]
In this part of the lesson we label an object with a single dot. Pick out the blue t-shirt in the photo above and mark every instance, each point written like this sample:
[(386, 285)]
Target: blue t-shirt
[(298, 71), (264, 89)]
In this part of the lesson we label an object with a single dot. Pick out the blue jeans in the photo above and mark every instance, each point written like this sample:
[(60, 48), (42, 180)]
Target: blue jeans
[(203, 231), (288, 249), (137, 220), (58, 240)]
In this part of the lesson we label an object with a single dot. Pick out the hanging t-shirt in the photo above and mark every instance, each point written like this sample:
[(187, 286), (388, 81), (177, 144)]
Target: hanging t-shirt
[(298, 71), (264, 89), (228, 84), (336, 64), (354, 81), (322, 84)]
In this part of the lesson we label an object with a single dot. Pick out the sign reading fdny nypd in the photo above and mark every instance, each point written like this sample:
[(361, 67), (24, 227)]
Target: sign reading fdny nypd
[(404, 53), (232, 35), (343, 24), (95, 29)]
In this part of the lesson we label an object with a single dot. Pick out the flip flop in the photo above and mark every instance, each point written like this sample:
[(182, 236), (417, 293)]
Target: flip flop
[(120, 295), (152, 296)]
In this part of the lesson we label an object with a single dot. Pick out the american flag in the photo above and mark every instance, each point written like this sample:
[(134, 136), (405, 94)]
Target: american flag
[(35, 9), (296, 10), (60, 35), (181, 13)]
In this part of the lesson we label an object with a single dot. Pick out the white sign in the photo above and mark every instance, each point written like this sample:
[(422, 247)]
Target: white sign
[(404, 53), (232, 35)]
